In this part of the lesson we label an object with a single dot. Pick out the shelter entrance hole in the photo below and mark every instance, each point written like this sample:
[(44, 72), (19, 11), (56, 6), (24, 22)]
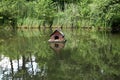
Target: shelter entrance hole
[(56, 37)]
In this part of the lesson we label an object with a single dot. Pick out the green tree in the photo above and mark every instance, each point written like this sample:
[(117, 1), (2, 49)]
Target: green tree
[(45, 11)]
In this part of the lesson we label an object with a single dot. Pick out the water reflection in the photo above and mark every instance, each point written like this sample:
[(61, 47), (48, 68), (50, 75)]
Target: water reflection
[(20, 68), (86, 56), (57, 46)]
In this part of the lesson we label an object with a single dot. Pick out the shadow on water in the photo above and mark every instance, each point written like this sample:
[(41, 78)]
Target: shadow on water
[(85, 55)]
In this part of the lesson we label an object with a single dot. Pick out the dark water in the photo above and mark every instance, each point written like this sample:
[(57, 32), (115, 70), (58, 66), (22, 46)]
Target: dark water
[(27, 55)]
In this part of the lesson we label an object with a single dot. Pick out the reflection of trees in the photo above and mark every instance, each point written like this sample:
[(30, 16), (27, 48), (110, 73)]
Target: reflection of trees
[(23, 47), (76, 66), (90, 58), (25, 70), (85, 56)]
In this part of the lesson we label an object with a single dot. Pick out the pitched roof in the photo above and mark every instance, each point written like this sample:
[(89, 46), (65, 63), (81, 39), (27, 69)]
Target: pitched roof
[(59, 32)]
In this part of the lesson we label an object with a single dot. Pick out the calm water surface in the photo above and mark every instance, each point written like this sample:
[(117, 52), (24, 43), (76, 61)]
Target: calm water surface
[(27, 55)]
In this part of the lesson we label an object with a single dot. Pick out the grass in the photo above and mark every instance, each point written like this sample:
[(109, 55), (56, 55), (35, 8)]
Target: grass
[(29, 22)]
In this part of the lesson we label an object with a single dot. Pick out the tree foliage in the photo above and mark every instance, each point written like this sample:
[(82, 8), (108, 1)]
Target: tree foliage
[(96, 13)]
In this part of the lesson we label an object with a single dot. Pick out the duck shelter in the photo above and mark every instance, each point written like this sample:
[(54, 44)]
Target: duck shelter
[(57, 36)]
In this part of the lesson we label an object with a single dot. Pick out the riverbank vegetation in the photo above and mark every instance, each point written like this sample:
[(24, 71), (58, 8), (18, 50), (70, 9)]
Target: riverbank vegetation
[(59, 13)]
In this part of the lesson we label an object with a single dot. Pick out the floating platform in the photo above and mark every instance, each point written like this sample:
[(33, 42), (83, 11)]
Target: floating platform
[(57, 41)]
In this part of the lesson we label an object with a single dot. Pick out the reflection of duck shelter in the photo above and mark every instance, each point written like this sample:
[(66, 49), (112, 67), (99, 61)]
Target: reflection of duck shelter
[(57, 36), (57, 46)]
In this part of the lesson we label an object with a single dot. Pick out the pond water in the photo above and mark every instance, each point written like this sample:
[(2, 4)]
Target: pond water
[(86, 55)]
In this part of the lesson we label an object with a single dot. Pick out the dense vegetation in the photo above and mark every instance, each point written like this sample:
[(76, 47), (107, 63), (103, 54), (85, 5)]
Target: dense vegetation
[(63, 13)]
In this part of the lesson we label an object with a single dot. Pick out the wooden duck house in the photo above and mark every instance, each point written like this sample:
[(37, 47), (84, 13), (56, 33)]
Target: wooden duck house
[(57, 36)]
